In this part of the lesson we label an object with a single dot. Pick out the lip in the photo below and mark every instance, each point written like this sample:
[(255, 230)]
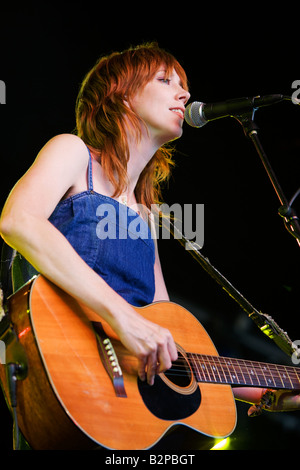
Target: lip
[(178, 113)]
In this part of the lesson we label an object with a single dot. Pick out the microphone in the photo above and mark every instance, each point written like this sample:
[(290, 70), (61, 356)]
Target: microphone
[(197, 114)]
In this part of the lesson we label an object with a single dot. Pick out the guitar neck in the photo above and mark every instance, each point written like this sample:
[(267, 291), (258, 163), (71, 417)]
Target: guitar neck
[(231, 371)]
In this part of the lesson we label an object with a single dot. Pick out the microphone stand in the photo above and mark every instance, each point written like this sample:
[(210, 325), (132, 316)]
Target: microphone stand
[(264, 322), (288, 214)]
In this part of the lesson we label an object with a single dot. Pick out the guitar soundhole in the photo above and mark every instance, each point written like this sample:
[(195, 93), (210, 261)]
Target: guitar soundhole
[(175, 394), (180, 372)]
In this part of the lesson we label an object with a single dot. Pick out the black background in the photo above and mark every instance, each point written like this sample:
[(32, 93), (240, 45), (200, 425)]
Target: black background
[(227, 53)]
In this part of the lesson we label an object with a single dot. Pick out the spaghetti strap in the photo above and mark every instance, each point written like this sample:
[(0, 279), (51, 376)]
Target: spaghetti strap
[(90, 172)]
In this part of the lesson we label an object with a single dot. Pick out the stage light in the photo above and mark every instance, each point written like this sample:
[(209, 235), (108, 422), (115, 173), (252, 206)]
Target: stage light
[(222, 445)]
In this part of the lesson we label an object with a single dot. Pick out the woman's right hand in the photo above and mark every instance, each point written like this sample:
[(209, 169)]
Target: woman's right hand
[(152, 344)]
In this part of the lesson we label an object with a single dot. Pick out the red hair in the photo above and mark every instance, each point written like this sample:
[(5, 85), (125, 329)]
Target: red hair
[(101, 115)]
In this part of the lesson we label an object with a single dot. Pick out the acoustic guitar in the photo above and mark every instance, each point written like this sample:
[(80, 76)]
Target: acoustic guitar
[(82, 391)]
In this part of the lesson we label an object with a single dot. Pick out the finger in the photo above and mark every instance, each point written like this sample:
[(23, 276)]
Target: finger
[(166, 355), (171, 346), (151, 368), (142, 369), (173, 350)]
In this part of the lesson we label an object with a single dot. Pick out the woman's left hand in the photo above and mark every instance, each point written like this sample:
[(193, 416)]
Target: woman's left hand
[(276, 400)]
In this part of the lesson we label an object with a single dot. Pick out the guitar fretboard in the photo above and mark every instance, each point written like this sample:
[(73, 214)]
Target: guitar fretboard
[(223, 370)]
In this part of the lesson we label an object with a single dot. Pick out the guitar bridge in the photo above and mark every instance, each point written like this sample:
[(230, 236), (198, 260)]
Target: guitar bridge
[(109, 360)]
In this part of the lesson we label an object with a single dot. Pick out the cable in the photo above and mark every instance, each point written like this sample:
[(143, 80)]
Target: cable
[(294, 197), (11, 372)]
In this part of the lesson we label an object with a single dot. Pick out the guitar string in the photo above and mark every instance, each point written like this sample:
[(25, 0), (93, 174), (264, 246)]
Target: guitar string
[(202, 367), (280, 372), (240, 363)]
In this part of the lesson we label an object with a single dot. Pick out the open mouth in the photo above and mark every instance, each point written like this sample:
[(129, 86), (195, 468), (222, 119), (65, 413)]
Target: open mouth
[(179, 112)]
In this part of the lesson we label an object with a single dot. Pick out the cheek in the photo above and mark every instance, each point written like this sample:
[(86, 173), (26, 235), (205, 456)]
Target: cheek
[(148, 103), (139, 107), (149, 111)]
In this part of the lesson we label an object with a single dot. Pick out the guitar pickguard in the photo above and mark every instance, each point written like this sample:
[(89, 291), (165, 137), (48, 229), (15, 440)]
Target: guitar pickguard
[(173, 396)]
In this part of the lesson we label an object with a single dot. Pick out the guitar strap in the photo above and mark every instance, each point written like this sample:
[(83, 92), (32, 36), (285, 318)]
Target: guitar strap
[(264, 322)]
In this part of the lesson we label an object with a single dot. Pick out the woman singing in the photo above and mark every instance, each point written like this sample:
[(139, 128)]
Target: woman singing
[(130, 105)]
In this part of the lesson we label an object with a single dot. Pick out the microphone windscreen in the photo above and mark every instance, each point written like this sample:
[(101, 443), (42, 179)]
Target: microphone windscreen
[(193, 116)]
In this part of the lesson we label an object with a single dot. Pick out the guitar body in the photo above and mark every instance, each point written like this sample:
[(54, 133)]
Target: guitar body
[(68, 399)]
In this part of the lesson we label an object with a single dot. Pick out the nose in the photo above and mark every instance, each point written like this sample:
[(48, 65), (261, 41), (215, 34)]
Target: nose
[(183, 95)]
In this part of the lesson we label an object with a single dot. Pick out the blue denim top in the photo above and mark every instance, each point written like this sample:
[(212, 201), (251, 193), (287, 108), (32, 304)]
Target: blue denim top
[(111, 238)]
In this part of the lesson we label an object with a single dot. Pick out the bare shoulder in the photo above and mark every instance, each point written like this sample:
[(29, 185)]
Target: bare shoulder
[(58, 167), (68, 145), (63, 161), (66, 156), (68, 139)]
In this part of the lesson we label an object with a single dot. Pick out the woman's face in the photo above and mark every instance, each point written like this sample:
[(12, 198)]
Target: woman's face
[(161, 104)]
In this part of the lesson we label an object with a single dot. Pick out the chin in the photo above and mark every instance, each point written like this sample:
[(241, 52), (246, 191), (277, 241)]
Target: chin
[(168, 135), (176, 135)]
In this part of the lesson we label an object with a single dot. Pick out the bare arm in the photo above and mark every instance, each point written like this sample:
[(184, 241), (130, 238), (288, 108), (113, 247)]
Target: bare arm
[(248, 394), (24, 225)]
